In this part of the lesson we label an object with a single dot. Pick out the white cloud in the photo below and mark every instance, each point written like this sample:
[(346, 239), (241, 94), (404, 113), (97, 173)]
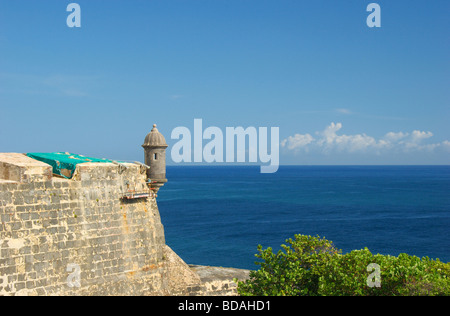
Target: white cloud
[(344, 111), (418, 136), (446, 145), (329, 141), (176, 96), (297, 141), (394, 137)]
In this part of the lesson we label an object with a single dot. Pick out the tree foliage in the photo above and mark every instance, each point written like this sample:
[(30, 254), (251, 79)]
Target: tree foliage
[(313, 266)]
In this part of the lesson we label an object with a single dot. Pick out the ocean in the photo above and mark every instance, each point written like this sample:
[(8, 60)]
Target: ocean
[(218, 215)]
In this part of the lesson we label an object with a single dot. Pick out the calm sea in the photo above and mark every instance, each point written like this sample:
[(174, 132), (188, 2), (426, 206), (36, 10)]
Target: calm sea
[(217, 215)]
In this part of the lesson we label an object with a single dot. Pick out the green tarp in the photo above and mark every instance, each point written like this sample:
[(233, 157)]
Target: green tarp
[(64, 164)]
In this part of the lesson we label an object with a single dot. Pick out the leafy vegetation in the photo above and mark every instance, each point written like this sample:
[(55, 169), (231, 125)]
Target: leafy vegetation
[(313, 266)]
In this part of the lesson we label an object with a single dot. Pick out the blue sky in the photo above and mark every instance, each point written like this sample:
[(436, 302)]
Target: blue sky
[(340, 92)]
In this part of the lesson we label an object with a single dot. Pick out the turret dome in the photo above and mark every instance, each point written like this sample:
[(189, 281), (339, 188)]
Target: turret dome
[(154, 139)]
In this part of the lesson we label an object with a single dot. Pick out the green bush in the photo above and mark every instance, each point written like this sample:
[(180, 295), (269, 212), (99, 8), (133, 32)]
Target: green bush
[(312, 266)]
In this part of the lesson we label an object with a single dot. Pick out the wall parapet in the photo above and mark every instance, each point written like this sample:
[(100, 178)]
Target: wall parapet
[(20, 168), (49, 223)]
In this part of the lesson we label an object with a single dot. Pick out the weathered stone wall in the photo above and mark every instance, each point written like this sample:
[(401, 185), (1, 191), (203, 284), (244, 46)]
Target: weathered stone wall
[(51, 226), (47, 226), (218, 281)]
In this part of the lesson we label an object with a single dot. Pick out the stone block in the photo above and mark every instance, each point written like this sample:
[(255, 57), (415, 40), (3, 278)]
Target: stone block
[(21, 168)]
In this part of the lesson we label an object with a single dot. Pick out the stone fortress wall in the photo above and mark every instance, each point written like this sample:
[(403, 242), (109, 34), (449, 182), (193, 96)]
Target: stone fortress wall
[(55, 231)]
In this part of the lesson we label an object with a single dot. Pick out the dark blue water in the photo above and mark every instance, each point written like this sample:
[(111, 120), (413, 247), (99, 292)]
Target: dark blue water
[(217, 215)]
